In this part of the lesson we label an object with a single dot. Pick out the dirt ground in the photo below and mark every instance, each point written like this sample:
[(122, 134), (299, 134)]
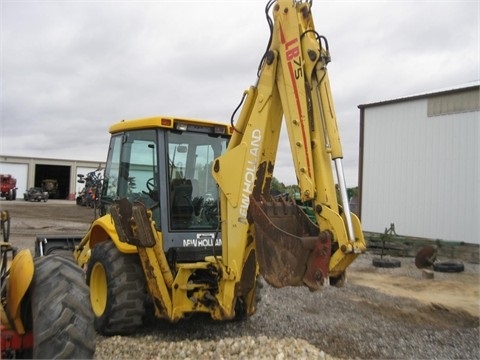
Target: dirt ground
[(458, 292), (29, 219)]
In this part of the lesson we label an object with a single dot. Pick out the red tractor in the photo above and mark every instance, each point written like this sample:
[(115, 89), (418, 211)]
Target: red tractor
[(8, 187)]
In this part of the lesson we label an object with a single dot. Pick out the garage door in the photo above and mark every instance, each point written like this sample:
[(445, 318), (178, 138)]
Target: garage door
[(18, 171)]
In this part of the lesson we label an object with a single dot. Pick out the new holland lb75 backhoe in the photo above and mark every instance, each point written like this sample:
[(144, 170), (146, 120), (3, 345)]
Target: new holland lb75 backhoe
[(190, 224)]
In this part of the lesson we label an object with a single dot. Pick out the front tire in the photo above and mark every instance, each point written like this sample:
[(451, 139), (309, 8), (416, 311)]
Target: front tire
[(117, 290), (62, 318)]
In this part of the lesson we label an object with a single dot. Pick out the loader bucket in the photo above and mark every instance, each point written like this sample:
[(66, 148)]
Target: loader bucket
[(291, 249)]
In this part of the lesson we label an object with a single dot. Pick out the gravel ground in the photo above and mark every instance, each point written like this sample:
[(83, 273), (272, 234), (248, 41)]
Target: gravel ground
[(353, 322)]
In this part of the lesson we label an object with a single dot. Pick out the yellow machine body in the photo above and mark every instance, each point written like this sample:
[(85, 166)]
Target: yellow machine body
[(152, 175), (19, 280)]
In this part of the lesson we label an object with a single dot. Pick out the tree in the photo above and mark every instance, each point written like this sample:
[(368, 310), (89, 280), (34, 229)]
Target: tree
[(276, 186)]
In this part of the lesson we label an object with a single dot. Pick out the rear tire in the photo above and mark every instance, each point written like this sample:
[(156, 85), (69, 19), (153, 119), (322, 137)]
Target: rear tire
[(62, 318), (117, 290)]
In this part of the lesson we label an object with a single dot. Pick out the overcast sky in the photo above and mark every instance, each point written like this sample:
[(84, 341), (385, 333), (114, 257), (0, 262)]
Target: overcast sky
[(69, 69)]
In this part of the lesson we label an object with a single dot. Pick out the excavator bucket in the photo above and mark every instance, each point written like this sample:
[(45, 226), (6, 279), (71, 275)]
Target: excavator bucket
[(291, 249)]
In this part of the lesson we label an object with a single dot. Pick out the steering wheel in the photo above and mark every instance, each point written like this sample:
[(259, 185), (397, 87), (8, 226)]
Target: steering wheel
[(151, 184), (152, 190)]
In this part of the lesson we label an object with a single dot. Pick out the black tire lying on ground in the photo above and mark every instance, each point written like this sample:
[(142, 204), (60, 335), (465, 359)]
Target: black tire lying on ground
[(386, 263), (448, 266), (62, 318)]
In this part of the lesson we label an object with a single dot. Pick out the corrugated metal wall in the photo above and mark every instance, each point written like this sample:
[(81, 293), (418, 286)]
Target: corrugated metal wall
[(421, 173)]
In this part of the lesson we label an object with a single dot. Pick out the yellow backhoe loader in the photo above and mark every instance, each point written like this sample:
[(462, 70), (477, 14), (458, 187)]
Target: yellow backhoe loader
[(189, 224)]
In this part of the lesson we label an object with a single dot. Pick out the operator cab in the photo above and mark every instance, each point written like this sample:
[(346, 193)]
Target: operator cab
[(167, 167)]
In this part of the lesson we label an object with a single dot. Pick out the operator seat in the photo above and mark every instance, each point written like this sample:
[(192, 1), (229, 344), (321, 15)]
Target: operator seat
[(181, 209)]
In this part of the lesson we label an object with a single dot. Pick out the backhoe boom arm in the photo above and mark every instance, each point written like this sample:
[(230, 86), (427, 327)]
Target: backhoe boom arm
[(293, 85)]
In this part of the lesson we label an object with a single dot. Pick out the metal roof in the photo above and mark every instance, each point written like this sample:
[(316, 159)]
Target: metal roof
[(451, 89)]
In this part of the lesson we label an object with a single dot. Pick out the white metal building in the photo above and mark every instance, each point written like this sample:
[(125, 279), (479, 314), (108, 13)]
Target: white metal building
[(30, 172), (420, 165)]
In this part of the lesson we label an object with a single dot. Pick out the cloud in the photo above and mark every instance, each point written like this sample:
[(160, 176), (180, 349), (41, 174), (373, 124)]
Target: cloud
[(70, 69)]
